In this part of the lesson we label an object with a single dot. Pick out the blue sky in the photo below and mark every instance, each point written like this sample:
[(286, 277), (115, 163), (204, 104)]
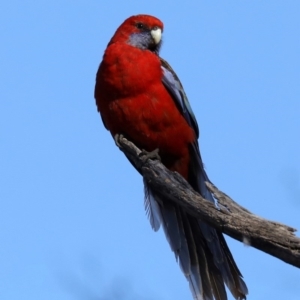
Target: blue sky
[(72, 222)]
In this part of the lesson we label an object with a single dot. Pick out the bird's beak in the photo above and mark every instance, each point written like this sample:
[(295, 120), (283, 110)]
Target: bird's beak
[(156, 35)]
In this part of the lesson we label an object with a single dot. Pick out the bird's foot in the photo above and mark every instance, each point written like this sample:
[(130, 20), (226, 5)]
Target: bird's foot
[(221, 207), (145, 155), (117, 138)]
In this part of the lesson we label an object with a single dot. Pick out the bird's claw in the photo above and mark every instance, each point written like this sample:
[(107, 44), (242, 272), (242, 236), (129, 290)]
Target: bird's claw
[(143, 154), (221, 207), (150, 155), (117, 138)]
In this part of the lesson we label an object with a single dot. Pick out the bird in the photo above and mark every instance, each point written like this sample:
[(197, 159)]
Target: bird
[(140, 97)]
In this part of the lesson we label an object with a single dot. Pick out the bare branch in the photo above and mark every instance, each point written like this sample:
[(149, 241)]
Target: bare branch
[(271, 237)]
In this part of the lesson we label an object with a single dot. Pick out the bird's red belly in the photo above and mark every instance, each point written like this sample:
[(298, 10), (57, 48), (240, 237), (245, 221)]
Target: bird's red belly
[(152, 123)]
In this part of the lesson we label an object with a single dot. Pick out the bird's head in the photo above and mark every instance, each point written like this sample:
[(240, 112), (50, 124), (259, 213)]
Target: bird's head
[(141, 31)]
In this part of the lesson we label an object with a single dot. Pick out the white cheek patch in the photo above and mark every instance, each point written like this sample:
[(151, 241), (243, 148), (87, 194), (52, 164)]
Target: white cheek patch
[(156, 35)]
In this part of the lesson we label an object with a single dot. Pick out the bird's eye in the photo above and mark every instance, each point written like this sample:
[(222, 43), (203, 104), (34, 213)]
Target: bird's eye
[(140, 25)]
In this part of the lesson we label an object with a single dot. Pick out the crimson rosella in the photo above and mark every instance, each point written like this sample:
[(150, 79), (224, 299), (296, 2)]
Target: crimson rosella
[(139, 96)]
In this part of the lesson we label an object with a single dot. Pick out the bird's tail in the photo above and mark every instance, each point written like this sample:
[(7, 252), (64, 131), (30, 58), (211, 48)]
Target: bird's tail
[(201, 250)]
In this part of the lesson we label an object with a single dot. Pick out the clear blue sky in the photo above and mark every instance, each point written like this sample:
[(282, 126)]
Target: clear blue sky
[(72, 222)]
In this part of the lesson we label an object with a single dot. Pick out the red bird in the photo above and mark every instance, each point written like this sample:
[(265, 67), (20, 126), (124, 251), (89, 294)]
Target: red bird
[(139, 96)]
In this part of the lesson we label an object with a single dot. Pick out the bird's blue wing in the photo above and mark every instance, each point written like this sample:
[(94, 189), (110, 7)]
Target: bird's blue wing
[(174, 87)]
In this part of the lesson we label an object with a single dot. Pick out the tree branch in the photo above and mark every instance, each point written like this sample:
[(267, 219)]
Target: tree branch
[(271, 237)]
